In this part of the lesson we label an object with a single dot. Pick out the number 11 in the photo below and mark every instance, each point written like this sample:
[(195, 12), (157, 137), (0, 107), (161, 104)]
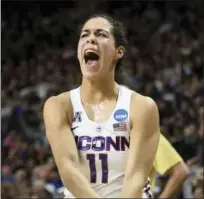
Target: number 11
[(92, 165)]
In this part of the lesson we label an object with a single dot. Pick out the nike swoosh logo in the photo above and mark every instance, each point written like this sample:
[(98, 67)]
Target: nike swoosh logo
[(72, 129)]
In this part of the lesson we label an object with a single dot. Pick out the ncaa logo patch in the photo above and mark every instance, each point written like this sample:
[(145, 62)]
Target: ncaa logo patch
[(121, 115)]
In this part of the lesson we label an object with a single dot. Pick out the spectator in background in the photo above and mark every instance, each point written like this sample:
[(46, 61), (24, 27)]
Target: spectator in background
[(164, 60), (169, 163)]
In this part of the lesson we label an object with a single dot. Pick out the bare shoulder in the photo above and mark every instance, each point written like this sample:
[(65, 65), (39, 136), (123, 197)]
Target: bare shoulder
[(142, 102), (59, 105), (142, 107), (144, 114), (58, 101)]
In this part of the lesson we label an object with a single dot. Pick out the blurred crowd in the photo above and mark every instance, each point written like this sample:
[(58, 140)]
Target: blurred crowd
[(165, 60)]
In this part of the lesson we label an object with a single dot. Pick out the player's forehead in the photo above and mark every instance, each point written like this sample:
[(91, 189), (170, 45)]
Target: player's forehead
[(98, 23)]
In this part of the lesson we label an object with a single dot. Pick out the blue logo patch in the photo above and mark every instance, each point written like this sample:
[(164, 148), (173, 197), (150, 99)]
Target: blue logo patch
[(121, 115)]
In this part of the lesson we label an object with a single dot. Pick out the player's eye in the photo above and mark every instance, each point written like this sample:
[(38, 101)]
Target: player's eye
[(83, 35), (102, 35)]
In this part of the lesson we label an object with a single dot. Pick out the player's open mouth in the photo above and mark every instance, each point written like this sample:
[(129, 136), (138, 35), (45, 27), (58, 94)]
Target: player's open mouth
[(91, 58)]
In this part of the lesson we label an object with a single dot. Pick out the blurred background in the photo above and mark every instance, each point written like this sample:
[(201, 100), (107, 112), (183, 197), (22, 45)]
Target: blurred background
[(38, 59)]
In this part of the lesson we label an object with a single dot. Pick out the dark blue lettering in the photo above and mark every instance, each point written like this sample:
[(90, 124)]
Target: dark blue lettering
[(100, 140), (115, 144), (100, 143), (104, 165), (124, 142), (84, 143), (92, 166)]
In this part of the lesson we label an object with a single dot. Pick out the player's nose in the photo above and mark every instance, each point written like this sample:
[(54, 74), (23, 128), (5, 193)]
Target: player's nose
[(91, 39)]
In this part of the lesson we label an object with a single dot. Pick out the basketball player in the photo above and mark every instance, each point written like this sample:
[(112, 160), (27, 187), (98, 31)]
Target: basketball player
[(89, 127), (168, 161)]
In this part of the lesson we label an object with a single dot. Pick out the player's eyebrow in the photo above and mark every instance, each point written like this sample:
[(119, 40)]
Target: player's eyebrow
[(96, 30)]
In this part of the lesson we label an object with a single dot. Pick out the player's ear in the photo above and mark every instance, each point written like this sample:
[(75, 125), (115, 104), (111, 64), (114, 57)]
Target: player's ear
[(120, 51)]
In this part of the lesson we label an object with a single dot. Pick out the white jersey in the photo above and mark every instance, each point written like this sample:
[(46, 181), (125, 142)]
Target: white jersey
[(103, 147)]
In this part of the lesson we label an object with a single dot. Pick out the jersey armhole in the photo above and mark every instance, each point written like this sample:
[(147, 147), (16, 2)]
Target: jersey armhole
[(70, 107), (129, 109)]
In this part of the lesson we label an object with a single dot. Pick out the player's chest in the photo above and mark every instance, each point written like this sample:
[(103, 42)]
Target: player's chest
[(100, 112), (102, 147), (112, 135)]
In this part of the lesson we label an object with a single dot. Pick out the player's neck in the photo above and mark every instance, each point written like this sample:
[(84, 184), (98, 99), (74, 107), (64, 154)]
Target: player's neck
[(95, 92)]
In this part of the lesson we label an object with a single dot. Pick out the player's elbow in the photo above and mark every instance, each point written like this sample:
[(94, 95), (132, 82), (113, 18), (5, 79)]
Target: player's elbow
[(67, 169), (181, 171), (184, 171)]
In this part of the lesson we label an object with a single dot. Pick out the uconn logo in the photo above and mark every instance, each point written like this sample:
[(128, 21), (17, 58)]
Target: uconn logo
[(101, 143)]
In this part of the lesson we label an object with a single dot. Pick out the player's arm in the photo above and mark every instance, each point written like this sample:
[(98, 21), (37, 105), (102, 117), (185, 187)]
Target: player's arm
[(64, 149), (177, 175), (143, 145), (168, 161)]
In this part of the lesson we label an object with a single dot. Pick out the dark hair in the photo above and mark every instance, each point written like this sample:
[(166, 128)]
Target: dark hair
[(118, 31)]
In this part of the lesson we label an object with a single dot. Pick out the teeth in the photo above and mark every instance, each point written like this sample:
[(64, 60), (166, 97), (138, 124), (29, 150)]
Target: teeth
[(90, 51)]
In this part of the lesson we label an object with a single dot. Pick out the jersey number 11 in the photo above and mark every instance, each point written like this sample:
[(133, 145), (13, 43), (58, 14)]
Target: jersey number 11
[(92, 165)]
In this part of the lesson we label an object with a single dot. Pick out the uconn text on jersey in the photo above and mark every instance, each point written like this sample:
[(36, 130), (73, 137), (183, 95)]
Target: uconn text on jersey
[(102, 143)]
